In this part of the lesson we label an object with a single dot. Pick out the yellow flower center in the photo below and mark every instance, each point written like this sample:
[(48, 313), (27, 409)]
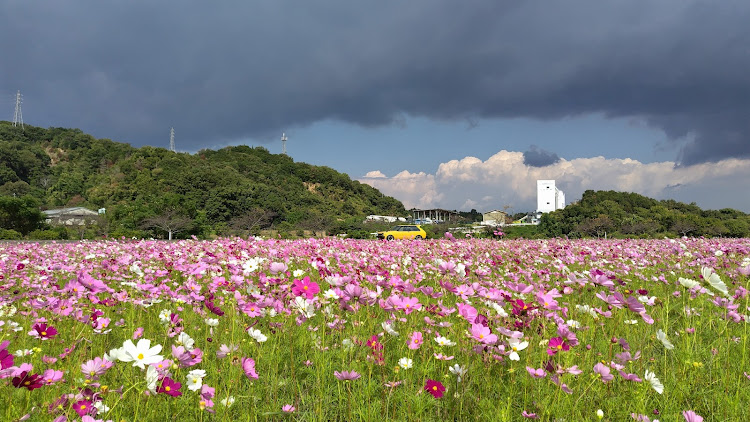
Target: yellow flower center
[(434, 387), (92, 373), (44, 333), (559, 347), (481, 336), (167, 388), (305, 287), (140, 356), (83, 407)]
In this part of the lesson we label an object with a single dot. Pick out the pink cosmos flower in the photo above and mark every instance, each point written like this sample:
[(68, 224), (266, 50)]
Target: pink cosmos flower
[(138, 333), (416, 340), (225, 350), (52, 376), (691, 416), (604, 372), (95, 368), (440, 356), (536, 373), (305, 288), (528, 415), (248, 365), (483, 334), (277, 267), (409, 304), (288, 408), (346, 375), (435, 388)]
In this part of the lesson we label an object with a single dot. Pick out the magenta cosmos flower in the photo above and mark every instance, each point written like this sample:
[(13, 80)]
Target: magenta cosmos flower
[(43, 331), (28, 381), (170, 386), (435, 388), (557, 344), (305, 288), (83, 407), (346, 375)]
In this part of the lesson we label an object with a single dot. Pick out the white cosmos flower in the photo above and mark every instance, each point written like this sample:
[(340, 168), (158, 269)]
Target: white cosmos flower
[(298, 273), (101, 408), (714, 280), (405, 363), (655, 383), (516, 345), (443, 341), (141, 354), (304, 306), (164, 316), (662, 336), (330, 294), (212, 322), (257, 335), (228, 402), (389, 328), (458, 370), (152, 377), (195, 379), (185, 340)]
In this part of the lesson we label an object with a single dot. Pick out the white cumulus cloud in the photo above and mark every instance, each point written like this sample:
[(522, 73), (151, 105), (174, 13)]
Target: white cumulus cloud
[(504, 180)]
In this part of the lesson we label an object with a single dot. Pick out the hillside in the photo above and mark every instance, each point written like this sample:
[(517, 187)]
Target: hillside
[(215, 190), (633, 215)]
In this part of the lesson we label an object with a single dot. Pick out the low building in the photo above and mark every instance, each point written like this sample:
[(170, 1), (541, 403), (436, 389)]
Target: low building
[(434, 216), (76, 216), (494, 218)]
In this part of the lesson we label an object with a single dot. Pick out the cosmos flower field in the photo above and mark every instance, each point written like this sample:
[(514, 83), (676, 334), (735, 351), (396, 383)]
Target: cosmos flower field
[(332, 329)]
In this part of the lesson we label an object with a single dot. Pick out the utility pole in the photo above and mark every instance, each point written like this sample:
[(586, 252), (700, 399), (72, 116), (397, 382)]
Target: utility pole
[(18, 115)]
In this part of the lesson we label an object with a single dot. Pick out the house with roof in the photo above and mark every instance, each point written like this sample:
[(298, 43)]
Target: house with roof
[(75, 216)]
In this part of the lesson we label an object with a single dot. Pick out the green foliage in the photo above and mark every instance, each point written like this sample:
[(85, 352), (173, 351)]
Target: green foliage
[(66, 167), (21, 214), (622, 214), (10, 234)]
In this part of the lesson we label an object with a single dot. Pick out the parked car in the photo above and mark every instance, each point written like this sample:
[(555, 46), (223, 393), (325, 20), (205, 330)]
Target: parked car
[(405, 231)]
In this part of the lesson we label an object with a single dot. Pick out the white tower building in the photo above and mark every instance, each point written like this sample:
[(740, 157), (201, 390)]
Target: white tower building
[(548, 197)]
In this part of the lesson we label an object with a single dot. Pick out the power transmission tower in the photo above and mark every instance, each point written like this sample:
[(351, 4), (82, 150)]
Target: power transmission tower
[(171, 140), (283, 143), (18, 115)]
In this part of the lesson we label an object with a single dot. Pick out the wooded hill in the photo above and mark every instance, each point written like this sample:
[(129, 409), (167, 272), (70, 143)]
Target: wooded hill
[(220, 192), (621, 214)]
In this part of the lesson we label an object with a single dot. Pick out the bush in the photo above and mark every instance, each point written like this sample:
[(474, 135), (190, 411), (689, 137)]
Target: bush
[(10, 234), (56, 233)]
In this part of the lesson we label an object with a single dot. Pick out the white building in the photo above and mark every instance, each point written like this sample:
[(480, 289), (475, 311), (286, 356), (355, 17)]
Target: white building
[(548, 197)]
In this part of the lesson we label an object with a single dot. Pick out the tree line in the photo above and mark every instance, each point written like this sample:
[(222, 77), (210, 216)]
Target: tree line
[(154, 192)]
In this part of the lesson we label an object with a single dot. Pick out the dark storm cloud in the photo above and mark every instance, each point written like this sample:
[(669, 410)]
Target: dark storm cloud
[(538, 157), (225, 71)]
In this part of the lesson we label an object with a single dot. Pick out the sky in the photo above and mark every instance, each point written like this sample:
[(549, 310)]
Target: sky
[(445, 104)]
